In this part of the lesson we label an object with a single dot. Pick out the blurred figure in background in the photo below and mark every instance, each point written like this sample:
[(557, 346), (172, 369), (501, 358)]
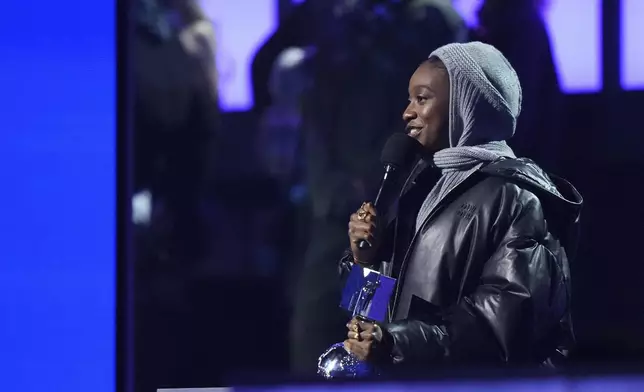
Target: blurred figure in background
[(176, 117), (359, 76), (301, 28), (518, 30), (279, 150), (279, 132)]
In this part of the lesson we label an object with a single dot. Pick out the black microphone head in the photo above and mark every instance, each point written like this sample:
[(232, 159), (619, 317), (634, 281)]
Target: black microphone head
[(400, 151)]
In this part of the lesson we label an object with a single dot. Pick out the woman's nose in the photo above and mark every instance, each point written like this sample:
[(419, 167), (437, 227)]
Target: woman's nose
[(408, 115)]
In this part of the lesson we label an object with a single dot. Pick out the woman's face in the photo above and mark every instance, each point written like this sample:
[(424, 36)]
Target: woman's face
[(427, 115)]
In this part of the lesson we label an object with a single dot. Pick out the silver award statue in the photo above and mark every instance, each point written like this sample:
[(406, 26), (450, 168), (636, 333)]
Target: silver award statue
[(365, 296)]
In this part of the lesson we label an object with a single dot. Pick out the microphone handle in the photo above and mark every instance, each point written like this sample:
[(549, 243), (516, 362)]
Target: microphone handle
[(364, 245), (389, 169)]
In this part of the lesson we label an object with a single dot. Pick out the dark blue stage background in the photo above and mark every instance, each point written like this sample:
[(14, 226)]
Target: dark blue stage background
[(57, 203)]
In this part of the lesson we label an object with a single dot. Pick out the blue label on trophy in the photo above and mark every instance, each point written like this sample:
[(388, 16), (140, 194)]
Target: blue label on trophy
[(367, 293)]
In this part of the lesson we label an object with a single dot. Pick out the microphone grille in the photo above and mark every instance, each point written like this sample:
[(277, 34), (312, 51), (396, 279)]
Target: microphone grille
[(400, 150)]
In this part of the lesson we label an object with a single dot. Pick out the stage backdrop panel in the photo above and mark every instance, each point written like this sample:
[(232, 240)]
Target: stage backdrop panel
[(632, 37), (576, 37), (57, 196)]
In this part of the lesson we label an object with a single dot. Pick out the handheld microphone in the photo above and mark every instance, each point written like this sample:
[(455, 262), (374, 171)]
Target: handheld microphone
[(399, 153)]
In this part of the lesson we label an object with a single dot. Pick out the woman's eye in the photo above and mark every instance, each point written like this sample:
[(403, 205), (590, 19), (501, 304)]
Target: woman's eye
[(421, 99)]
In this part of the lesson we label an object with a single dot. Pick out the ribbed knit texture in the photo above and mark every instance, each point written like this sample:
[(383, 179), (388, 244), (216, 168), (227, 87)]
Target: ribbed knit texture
[(485, 101)]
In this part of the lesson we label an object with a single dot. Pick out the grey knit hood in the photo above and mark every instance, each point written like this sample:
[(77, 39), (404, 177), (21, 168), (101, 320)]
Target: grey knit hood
[(485, 102), (485, 93)]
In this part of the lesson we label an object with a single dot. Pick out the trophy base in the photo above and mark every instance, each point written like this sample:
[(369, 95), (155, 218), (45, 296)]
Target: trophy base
[(336, 362)]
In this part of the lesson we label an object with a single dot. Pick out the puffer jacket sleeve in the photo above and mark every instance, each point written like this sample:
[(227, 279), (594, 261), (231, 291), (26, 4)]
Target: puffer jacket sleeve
[(521, 298)]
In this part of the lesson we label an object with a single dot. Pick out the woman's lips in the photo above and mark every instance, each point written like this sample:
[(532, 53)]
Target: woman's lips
[(415, 131)]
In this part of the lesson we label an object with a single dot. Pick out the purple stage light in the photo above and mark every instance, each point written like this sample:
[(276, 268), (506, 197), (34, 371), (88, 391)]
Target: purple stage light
[(241, 27), (632, 35), (575, 30), (576, 37)]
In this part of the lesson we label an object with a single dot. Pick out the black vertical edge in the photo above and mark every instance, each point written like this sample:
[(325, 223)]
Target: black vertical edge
[(611, 44), (124, 266)]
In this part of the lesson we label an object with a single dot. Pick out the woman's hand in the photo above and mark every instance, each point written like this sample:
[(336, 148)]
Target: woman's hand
[(363, 225), (364, 339)]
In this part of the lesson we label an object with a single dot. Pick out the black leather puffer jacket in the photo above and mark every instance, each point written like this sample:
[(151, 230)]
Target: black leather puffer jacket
[(486, 280)]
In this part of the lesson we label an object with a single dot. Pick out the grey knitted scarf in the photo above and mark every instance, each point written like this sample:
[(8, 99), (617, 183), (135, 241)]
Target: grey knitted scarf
[(485, 101)]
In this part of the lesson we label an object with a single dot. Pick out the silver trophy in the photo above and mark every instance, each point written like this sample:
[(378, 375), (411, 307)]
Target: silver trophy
[(365, 296)]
